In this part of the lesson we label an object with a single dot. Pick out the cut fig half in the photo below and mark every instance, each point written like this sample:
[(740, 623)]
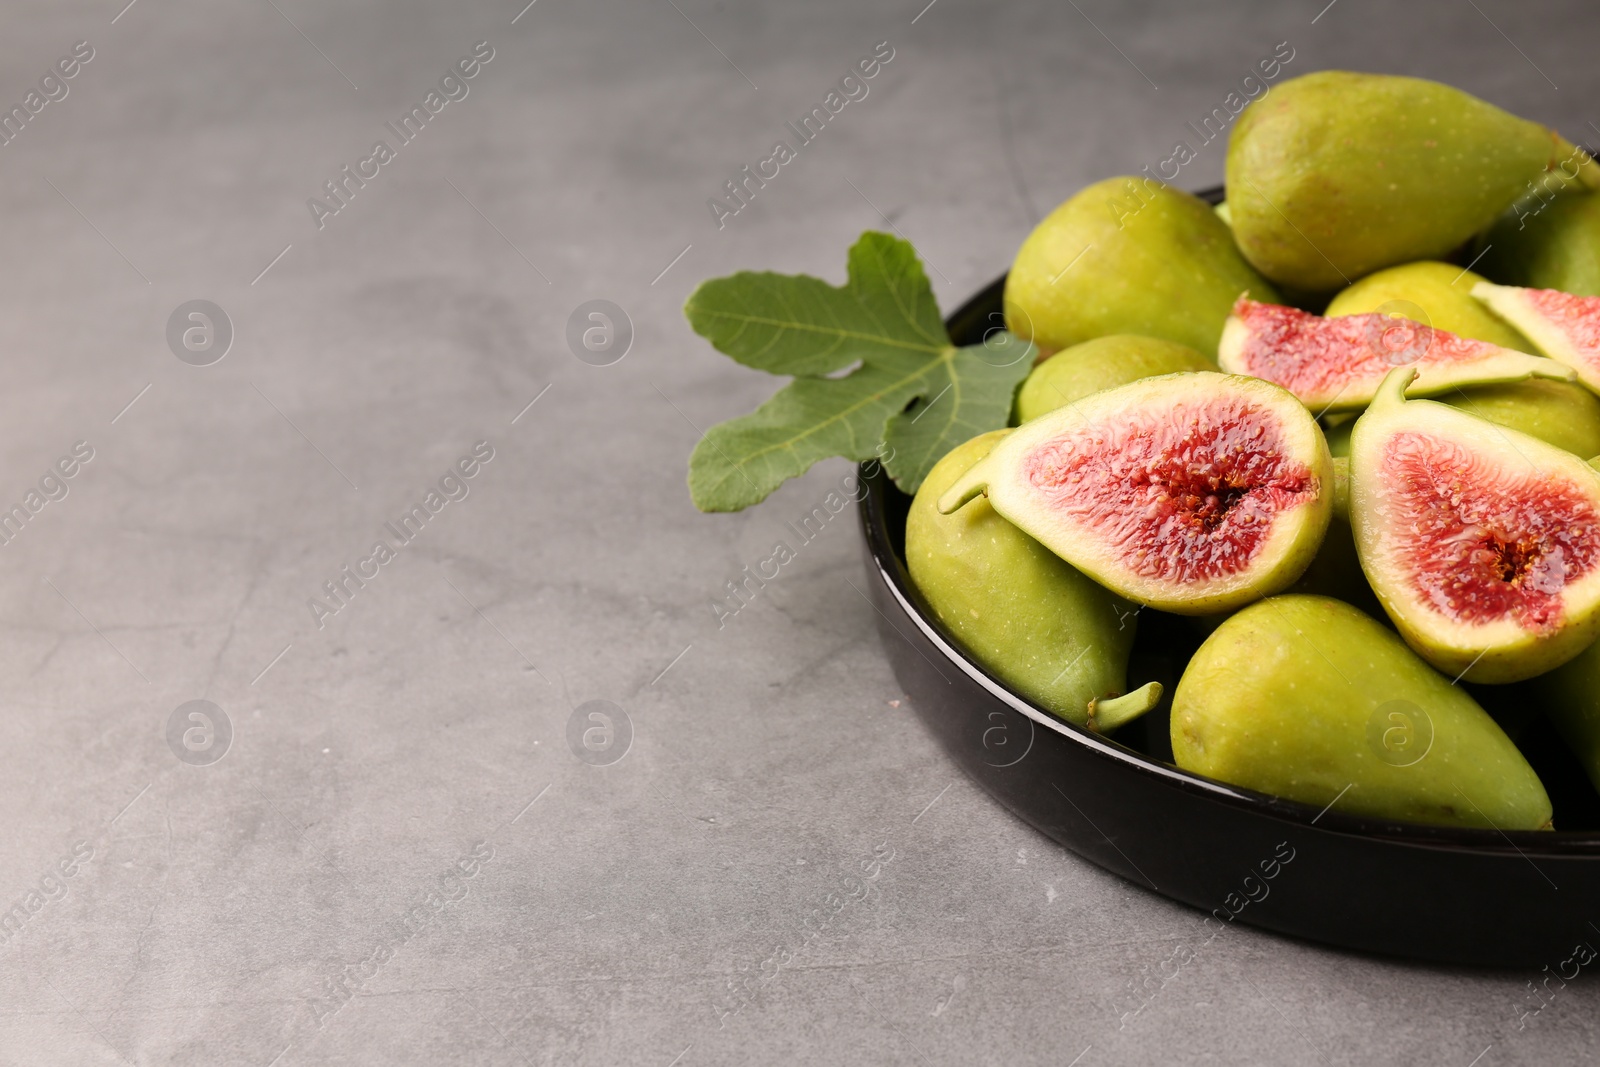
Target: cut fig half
[(1194, 493), (1563, 326), (1337, 364), (1482, 543)]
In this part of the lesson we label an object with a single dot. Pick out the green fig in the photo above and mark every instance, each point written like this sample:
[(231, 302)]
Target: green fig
[(1306, 698), (1571, 693), (1128, 255), (1564, 414), (1022, 613), (1191, 493), (1106, 362), (1546, 243), (1482, 543), (1334, 175), (1558, 413)]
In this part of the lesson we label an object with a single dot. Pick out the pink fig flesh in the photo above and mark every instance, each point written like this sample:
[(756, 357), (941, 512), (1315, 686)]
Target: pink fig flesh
[(1482, 543), (1194, 493), (1563, 326), (1337, 364)]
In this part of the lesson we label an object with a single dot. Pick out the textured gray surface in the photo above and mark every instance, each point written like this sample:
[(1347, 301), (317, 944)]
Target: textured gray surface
[(222, 903)]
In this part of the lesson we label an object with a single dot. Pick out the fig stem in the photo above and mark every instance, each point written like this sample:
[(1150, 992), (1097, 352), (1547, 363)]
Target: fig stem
[(1556, 372), (968, 486), (1393, 388), (1588, 170), (1115, 711)]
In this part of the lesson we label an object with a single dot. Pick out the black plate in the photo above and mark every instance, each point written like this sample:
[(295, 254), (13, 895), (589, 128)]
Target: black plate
[(1520, 898)]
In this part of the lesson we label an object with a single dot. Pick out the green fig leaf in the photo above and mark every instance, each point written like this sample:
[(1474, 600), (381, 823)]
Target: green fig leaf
[(911, 397)]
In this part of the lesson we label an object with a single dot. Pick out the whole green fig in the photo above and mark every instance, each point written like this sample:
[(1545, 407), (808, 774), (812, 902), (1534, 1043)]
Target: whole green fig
[(1559, 413), (1022, 613), (1128, 255), (1546, 243), (1304, 697), (1334, 175), (1106, 362)]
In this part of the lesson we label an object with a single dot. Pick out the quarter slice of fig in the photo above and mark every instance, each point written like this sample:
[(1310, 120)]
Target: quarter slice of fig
[(1482, 543), (1194, 493), (1563, 326), (1337, 364)]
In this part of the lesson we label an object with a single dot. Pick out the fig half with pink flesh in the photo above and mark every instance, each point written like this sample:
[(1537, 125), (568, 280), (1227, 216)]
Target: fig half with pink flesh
[(1193, 493), (1482, 543), (1563, 326), (1337, 364)]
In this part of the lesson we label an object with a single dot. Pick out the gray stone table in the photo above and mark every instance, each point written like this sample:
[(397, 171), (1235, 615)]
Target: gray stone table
[(399, 858)]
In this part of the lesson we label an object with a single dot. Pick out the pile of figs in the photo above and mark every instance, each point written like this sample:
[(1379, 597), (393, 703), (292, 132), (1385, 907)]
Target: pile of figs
[(1341, 426)]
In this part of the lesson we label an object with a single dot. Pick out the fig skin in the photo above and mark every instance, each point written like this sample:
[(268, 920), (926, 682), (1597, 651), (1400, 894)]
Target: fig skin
[(1026, 616), (1557, 413), (1103, 363), (1564, 414), (1292, 542), (1154, 261), (1556, 246), (1500, 651), (1334, 175), (1293, 696)]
